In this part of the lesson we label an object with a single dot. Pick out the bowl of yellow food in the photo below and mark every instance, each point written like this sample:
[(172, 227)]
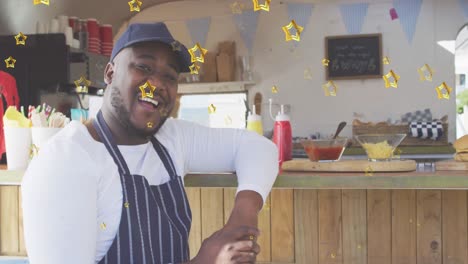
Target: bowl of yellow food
[(380, 147)]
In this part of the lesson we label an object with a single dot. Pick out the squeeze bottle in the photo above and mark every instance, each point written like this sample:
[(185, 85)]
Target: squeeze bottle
[(254, 122), (282, 136)]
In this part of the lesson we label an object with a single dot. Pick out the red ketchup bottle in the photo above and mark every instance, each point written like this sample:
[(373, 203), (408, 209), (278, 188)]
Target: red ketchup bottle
[(282, 136)]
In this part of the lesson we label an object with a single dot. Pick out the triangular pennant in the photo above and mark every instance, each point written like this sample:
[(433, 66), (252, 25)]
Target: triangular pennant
[(464, 6), (247, 25), (408, 13), (301, 13), (198, 28), (353, 16)]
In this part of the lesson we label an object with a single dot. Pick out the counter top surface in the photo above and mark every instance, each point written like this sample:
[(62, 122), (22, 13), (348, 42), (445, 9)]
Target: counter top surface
[(424, 178)]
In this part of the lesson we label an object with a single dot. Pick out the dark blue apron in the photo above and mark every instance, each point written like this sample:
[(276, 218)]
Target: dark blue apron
[(156, 219)]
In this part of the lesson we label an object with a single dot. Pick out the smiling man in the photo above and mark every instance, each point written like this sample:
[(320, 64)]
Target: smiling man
[(111, 190)]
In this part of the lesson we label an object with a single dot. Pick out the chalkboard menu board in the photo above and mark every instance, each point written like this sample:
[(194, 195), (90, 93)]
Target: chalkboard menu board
[(354, 56)]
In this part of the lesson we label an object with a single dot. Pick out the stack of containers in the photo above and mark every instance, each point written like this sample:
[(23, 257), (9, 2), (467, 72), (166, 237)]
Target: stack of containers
[(106, 39), (94, 39)]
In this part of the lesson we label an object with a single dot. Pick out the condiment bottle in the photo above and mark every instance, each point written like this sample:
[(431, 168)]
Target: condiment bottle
[(254, 122), (282, 136)]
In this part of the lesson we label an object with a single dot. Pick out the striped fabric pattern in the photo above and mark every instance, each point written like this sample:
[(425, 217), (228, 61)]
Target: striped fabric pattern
[(156, 219)]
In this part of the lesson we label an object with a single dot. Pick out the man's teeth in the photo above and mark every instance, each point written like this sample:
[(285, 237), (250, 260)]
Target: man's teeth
[(149, 100)]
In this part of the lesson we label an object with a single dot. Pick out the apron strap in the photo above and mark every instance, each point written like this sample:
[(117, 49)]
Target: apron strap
[(106, 136), (165, 157)]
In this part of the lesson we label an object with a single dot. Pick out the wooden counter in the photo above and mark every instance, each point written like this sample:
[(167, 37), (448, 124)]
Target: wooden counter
[(416, 217)]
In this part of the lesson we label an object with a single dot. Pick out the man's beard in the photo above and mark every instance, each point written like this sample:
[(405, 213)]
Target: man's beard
[(123, 116)]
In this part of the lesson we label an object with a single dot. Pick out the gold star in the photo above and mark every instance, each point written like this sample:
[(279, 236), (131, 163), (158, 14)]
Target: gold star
[(37, 2), (147, 90), (330, 88), (308, 74), (369, 171), (425, 73), (397, 153), (274, 89), (21, 39), (202, 51), (236, 7), (103, 226), (211, 109), (443, 91), (325, 62), (126, 205), (194, 68), (176, 46), (265, 6), (149, 124), (227, 120), (386, 60), (10, 62), (135, 5), (391, 79), (288, 36), (82, 85)]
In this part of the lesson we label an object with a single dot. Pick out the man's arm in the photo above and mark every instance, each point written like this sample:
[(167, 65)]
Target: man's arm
[(246, 208), (59, 206)]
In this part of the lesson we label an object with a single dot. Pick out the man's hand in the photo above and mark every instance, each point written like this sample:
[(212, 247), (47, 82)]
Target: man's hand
[(226, 246), (236, 242)]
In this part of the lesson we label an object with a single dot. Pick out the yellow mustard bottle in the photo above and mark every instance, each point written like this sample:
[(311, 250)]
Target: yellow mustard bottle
[(254, 122)]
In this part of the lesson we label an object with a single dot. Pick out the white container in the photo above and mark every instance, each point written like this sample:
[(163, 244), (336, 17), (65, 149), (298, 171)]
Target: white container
[(40, 135), (18, 145)]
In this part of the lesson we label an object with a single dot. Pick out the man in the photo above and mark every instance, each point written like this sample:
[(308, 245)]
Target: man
[(111, 190)]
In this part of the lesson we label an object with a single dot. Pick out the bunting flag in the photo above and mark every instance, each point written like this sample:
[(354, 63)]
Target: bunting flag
[(301, 13), (247, 22), (464, 6), (408, 13), (198, 28), (353, 16)]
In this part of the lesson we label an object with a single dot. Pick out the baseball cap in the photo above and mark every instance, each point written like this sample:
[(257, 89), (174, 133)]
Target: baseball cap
[(147, 32)]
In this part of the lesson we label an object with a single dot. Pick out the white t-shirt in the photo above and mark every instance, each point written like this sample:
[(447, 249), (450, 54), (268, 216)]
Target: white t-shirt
[(72, 187)]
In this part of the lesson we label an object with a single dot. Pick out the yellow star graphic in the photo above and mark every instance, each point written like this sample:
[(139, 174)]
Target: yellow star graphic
[(176, 46), (82, 85), (443, 91), (135, 5), (147, 90), (265, 6), (202, 51), (386, 60), (10, 62), (211, 109), (21, 39), (37, 2), (297, 36), (325, 62), (369, 171), (308, 74), (330, 88), (194, 68), (425, 73), (391, 79), (274, 89), (236, 7)]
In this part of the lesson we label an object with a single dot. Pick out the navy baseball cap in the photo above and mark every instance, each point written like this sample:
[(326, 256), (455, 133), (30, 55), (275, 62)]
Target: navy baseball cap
[(147, 32)]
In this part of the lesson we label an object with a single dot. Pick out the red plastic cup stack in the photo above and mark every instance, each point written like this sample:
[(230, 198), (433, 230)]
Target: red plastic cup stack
[(106, 39), (94, 39)]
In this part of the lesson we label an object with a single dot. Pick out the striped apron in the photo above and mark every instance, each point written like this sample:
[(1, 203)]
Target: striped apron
[(156, 219)]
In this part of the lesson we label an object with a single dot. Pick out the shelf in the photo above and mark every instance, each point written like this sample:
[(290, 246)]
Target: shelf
[(213, 87)]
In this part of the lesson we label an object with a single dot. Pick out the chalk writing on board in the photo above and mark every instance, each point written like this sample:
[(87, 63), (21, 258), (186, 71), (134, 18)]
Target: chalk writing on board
[(357, 56)]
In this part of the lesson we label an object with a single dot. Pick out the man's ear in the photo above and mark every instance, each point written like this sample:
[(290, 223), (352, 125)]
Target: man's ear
[(109, 73)]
